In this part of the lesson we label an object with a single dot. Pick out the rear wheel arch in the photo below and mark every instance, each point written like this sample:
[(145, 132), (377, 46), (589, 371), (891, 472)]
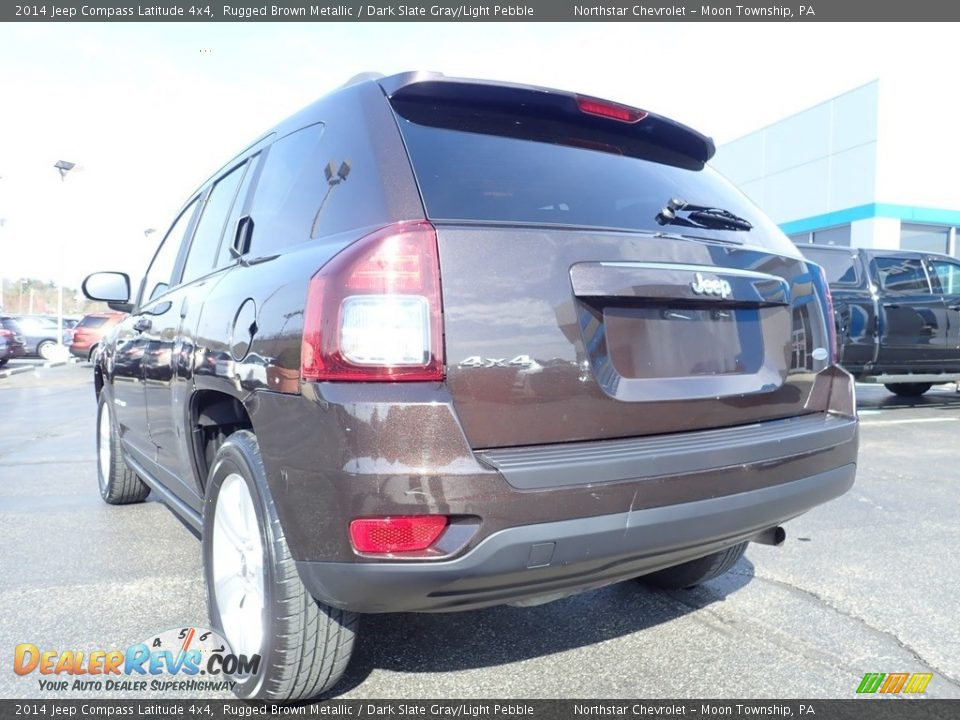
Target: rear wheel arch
[(304, 645), (214, 416)]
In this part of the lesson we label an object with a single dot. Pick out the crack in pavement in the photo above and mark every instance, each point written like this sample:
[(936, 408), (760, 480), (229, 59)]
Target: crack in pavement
[(64, 428), (822, 657), (862, 621), (762, 634)]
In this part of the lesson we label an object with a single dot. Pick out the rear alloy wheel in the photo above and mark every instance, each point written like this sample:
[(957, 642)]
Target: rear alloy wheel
[(908, 389), (47, 349), (696, 572), (119, 485), (254, 592)]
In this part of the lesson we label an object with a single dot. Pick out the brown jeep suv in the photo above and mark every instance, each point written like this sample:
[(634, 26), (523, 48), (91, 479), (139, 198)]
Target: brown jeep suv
[(435, 344)]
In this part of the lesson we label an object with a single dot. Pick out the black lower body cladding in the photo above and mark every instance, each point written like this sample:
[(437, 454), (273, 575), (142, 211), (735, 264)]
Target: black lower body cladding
[(555, 558), (338, 453)]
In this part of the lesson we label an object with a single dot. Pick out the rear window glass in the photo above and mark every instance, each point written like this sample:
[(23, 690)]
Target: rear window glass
[(841, 268), (92, 322), (467, 176), (37, 326)]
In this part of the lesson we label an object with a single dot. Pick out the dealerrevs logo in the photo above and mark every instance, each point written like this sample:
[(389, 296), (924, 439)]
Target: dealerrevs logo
[(189, 659)]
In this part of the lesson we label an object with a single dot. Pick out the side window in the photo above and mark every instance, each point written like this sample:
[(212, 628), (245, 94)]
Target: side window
[(206, 238), (841, 268), (37, 326), (160, 272), (948, 274), (902, 274), (290, 191), (224, 257), (319, 181)]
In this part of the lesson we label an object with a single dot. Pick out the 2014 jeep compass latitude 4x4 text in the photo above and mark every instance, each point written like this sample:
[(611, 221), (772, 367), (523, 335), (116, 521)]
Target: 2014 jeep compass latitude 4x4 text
[(436, 344)]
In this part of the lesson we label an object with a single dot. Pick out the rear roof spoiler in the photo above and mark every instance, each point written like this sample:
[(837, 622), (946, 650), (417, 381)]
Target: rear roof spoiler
[(548, 103)]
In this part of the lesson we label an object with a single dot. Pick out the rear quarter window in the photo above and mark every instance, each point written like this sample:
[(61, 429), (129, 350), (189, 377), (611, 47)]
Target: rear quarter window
[(318, 181), (840, 268)]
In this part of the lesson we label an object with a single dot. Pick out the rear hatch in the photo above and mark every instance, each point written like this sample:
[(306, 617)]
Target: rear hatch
[(89, 330), (599, 280)]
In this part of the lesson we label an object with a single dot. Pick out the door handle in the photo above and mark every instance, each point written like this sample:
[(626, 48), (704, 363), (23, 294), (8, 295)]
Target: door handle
[(143, 324), (892, 306)]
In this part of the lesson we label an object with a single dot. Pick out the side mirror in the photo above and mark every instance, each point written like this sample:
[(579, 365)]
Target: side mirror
[(113, 288)]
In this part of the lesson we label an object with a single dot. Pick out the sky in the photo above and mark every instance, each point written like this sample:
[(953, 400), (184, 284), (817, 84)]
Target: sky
[(148, 111)]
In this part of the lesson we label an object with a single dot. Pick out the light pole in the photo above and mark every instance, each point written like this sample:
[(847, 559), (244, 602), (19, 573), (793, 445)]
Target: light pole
[(63, 167)]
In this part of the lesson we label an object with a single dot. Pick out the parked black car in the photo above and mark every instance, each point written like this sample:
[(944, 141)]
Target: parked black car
[(897, 315), (436, 344), (11, 341)]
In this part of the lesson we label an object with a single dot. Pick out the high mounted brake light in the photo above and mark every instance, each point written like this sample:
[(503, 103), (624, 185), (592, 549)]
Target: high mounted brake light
[(543, 115), (610, 110), (373, 312)]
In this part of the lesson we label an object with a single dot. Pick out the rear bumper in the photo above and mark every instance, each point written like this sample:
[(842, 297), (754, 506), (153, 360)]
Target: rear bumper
[(535, 521), (561, 557), (82, 350)]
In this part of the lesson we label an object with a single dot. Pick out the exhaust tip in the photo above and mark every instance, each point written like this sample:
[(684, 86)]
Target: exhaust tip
[(771, 536)]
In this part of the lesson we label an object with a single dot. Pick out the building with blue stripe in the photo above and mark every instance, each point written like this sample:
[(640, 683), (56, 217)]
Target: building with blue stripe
[(876, 167)]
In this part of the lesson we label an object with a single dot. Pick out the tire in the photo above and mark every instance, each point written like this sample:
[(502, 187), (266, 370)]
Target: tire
[(908, 389), (304, 645), (45, 348), (4, 361), (119, 485), (696, 572)]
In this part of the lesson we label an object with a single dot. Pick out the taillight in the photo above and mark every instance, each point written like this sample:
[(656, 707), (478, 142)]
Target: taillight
[(610, 110), (403, 533), (831, 319), (5, 333), (373, 312)]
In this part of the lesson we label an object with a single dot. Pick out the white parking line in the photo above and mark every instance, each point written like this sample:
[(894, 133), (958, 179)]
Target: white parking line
[(909, 420)]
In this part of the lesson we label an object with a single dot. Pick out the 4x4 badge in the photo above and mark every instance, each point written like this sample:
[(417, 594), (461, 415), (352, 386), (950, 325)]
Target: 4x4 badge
[(475, 361), (711, 286)]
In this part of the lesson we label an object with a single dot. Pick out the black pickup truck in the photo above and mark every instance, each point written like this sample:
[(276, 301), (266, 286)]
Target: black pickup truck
[(897, 315)]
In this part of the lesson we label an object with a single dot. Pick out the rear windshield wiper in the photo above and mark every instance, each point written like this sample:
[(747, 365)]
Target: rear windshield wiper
[(700, 216)]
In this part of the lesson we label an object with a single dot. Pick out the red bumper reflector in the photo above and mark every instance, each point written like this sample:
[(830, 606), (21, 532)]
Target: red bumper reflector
[(403, 533)]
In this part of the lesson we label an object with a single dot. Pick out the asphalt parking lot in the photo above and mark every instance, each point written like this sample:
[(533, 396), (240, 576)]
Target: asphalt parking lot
[(867, 583)]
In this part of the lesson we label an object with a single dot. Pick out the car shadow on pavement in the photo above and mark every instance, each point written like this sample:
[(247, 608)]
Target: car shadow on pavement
[(938, 400), (446, 642)]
